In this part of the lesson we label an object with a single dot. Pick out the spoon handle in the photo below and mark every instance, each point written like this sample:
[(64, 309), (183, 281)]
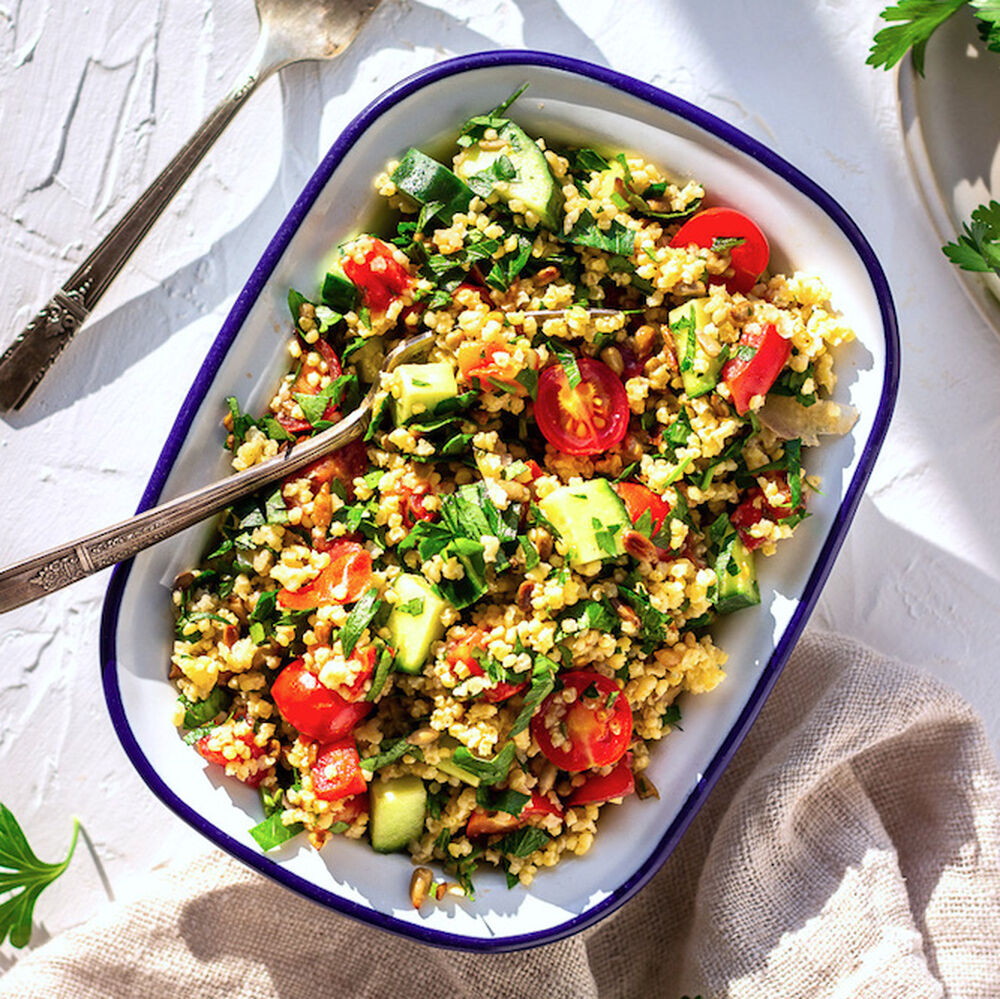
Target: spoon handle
[(36, 577), (26, 360)]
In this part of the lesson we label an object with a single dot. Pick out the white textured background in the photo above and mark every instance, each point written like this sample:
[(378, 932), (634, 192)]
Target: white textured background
[(95, 97)]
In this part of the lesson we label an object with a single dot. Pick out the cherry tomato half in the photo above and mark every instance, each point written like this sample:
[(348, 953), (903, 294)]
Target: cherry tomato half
[(316, 711), (379, 276), (485, 823), (756, 374), (749, 259), (592, 731), (638, 499), (337, 771), (603, 787), (586, 419), (341, 582), (464, 651)]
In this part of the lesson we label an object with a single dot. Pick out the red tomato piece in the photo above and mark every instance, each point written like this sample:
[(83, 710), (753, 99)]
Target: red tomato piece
[(341, 582), (756, 508), (749, 259), (364, 661), (602, 787), (343, 465), (587, 419), (592, 731), (379, 276), (216, 755), (348, 809), (490, 363), (316, 711), (337, 771), (465, 652), (484, 823), (756, 374), (304, 386), (412, 506), (638, 499)]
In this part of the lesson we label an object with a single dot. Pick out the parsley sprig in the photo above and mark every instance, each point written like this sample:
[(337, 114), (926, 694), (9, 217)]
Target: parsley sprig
[(912, 22), (978, 247), (24, 876)]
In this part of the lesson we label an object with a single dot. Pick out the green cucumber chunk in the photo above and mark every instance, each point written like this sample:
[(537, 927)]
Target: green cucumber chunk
[(699, 371), (427, 181), (398, 809), (415, 622), (590, 518), (737, 577), (422, 385), (532, 185), (339, 291)]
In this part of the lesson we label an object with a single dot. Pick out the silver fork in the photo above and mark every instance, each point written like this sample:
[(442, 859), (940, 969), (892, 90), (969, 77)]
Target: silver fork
[(290, 31)]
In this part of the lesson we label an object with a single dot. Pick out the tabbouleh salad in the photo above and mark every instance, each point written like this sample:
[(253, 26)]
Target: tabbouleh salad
[(462, 635)]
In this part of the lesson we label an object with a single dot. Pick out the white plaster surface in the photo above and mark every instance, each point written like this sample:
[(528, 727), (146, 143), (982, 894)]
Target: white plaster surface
[(94, 98)]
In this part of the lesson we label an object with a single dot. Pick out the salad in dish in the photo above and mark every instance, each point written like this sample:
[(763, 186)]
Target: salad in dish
[(462, 635)]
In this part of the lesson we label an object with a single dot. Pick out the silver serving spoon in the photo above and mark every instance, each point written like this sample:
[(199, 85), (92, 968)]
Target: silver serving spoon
[(36, 577), (290, 31)]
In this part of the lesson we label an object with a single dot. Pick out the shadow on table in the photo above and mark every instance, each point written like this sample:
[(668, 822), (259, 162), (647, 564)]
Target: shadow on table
[(110, 346)]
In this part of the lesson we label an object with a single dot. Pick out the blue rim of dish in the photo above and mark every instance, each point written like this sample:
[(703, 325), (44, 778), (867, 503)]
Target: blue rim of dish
[(783, 648)]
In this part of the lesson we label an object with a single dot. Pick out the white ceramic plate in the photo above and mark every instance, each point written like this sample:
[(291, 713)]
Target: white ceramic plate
[(951, 124), (568, 101)]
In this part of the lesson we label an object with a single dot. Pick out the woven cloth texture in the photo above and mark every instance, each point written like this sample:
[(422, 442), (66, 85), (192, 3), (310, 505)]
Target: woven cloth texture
[(851, 849)]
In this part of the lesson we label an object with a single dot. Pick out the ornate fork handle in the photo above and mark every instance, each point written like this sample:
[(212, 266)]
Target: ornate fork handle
[(35, 577), (24, 363)]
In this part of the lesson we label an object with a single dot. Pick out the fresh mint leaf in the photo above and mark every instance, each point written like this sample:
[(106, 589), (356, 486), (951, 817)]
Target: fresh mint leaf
[(567, 359), (359, 618), (241, 422), (199, 713), (295, 302), (389, 752), (493, 771), (604, 535), (586, 161), (617, 239), (380, 675), (272, 832), (523, 842), (509, 801), (529, 379), (543, 678), (672, 716), (724, 244)]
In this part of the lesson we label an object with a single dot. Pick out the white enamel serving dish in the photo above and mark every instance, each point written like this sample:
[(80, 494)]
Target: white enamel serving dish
[(567, 102)]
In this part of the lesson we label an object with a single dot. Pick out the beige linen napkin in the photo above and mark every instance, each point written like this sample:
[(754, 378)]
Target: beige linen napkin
[(852, 849)]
